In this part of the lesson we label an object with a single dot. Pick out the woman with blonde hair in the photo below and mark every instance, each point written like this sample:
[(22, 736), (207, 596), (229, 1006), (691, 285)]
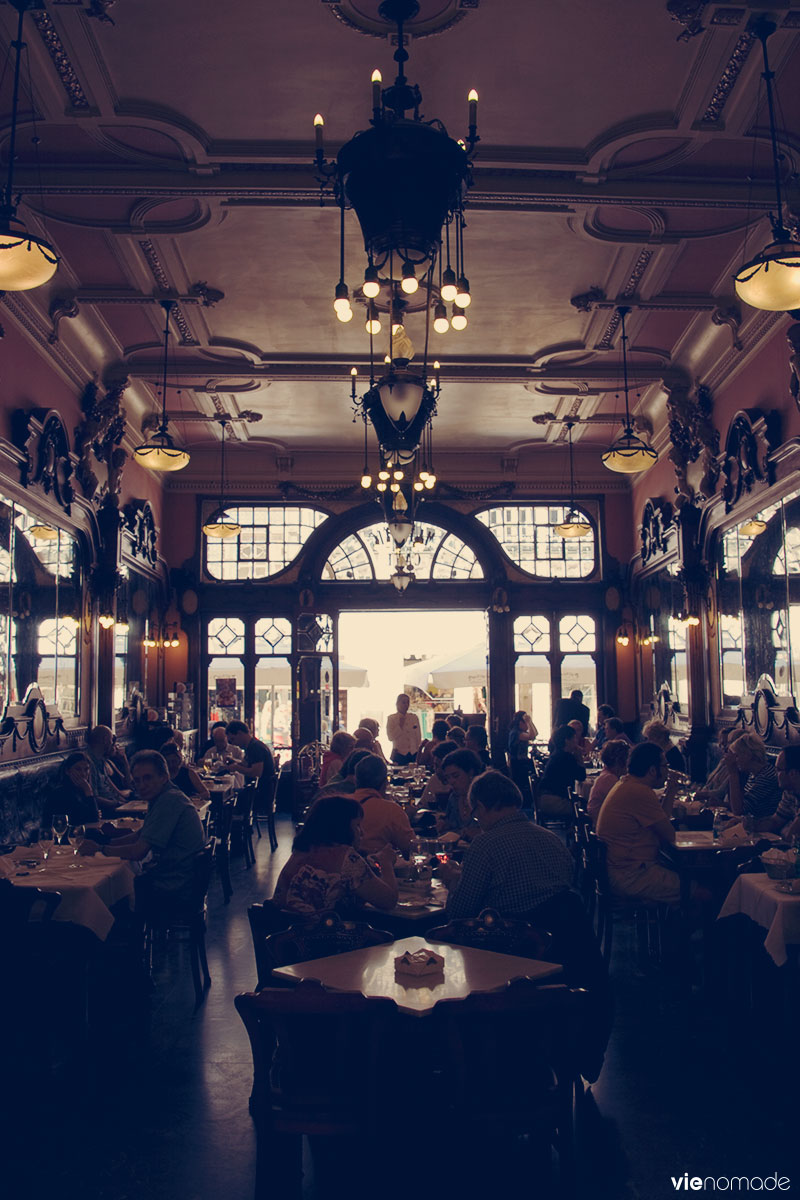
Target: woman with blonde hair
[(759, 795), (657, 732)]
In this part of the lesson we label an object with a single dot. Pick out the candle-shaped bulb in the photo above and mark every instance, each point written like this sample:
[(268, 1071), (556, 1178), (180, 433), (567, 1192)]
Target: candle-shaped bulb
[(354, 371), (318, 127), (377, 80), (472, 100)]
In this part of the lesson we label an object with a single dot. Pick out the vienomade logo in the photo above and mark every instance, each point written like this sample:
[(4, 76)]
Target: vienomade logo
[(730, 1183)]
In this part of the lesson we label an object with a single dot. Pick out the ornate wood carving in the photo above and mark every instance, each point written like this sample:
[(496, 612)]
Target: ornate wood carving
[(656, 523), (695, 444), (97, 441), (32, 721), (793, 338), (42, 436), (688, 13), (745, 463), (140, 525)]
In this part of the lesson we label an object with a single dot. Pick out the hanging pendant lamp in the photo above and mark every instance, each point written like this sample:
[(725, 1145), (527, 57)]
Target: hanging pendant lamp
[(628, 454), (160, 453), (771, 280), (26, 261), (220, 524), (574, 524)]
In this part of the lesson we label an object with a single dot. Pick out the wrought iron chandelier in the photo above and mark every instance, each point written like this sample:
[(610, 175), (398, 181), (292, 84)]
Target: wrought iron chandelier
[(26, 261), (628, 454), (160, 453), (771, 280)]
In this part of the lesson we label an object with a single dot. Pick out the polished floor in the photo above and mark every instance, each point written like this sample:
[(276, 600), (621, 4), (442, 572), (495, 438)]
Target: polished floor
[(159, 1110)]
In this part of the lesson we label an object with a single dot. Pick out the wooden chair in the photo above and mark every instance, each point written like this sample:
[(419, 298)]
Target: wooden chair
[(242, 823), (319, 1068), (610, 909), (490, 931), (223, 824), (190, 916), (270, 814), (265, 919), (511, 1070), (319, 938)]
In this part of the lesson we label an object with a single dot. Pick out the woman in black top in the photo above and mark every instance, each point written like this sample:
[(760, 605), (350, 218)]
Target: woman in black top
[(72, 793), (563, 769), (184, 777)]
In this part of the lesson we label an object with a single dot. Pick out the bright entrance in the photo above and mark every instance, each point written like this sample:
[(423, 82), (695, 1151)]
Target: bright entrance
[(439, 656)]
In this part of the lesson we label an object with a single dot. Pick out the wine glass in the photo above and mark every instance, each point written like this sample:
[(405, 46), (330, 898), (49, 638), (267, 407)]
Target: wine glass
[(75, 835), (60, 827), (46, 841)]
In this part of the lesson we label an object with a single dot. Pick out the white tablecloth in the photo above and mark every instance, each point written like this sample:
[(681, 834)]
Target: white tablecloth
[(89, 886), (757, 897)]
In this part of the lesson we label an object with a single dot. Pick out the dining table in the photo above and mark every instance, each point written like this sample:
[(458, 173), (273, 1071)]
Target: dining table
[(89, 886), (764, 902), (138, 808), (372, 973)]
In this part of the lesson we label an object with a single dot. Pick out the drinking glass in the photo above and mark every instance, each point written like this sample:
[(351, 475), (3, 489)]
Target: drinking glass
[(46, 841), (60, 826), (75, 835)]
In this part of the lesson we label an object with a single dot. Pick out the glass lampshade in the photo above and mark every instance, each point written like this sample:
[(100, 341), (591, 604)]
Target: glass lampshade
[(401, 400), (572, 527), (629, 455), (753, 527), (401, 580), (221, 527), (771, 280), (45, 533), (161, 454), (25, 261)]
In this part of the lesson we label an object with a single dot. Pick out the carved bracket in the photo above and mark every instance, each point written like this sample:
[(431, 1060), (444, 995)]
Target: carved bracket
[(732, 317), (793, 338), (695, 444), (688, 13), (745, 461), (140, 525), (97, 441), (42, 436), (657, 521)]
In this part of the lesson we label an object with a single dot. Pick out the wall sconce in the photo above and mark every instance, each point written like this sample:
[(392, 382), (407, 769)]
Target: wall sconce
[(623, 636), (148, 641), (106, 619), (171, 641)]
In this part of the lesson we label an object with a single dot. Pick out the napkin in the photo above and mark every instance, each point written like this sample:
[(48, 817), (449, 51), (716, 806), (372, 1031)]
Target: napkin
[(421, 962), (734, 835)]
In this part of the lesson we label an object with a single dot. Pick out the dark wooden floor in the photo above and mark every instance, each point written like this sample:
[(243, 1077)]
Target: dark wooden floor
[(161, 1114)]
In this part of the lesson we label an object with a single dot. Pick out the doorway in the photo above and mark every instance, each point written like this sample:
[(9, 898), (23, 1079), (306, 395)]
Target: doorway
[(441, 657)]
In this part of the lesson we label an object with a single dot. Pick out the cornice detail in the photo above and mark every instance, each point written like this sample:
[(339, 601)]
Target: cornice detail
[(66, 72), (727, 80)]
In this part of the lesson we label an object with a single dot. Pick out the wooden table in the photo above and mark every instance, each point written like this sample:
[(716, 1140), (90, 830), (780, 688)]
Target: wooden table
[(758, 897), (89, 886), (138, 808), (372, 973)]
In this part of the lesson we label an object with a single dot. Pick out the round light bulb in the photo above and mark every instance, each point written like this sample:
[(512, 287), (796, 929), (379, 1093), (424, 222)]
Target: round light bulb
[(394, 487), (345, 314), (440, 321), (409, 283), (383, 474), (373, 322), (424, 474), (399, 474), (449, 289), (106, 620), (381, 487), (430, 483), (463, 298), (458, 321), (366, 481), (372, 285), (419, 485)]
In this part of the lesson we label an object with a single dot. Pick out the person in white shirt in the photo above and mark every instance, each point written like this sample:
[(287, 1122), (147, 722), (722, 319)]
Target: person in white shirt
[(403, 731)]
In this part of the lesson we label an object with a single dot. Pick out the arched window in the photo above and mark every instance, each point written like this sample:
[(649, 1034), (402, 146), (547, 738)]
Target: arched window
[(526, 534), (272, 536), (432, 554)]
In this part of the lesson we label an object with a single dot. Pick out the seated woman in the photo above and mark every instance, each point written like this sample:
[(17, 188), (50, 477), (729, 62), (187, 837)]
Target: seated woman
[(580, 744), (460, 768), (563, 769), (183, 776), (72, 793), (341, 745), (437, 788), (658, 733), (761, 792), (614, 757), (325, 869)]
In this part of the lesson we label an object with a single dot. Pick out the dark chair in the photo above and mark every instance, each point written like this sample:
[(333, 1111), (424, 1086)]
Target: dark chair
[(223, 823), (490, 931), (270, 814), (511, 1067), (610, 909), (318, 1069), (164, 917), (319, 938), (242, 823), (265, 919)]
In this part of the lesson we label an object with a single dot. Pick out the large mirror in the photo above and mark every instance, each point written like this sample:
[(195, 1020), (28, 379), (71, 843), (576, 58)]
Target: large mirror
[(663, 634), (40, 610), (758, 599)]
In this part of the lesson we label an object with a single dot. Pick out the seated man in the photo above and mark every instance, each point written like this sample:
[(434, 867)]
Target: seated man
[(460, 769), (604, 711), (613, 728), (343, 783), (171, 831), (439, 733), (99, 748), (437, 788), (219, 748), (657, 732), (786, 818), (384, 823), (634, 824), (513, 865), (257, 765)]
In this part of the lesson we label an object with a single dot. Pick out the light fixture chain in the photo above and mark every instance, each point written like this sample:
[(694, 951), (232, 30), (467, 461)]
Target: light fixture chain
[(12, 139), (764, 29)]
